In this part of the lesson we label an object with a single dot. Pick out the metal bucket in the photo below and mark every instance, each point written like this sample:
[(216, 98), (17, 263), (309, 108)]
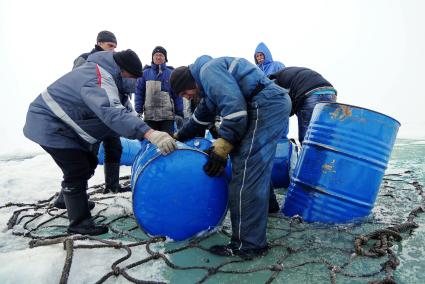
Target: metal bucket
[(284, 163), (130, 149), (342, 161), (172, 195)]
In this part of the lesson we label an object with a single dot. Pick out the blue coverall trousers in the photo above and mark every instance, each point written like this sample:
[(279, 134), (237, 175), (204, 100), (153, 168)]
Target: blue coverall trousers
[(252, 162)]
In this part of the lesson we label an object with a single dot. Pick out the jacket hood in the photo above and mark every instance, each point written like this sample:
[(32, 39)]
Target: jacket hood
[(195, 68), (262, 47), (106, 60)]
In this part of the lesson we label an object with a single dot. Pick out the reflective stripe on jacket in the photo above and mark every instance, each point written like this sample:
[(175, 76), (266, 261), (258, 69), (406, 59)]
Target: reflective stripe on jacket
[(227, 84), (83, 107)]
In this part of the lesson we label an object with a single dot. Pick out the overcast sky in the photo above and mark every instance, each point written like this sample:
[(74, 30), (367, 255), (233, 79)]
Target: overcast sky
[(373, 52)]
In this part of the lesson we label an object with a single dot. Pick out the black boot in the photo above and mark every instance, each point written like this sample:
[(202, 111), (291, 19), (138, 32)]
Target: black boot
[(60, 202), (273, 204), (80, 220), (112, 177)]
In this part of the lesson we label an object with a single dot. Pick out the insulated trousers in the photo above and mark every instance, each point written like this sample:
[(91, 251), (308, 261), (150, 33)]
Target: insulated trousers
[(252, 162)]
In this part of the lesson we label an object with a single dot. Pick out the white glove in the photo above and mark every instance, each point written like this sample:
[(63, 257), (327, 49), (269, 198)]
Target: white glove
[(163, 141)]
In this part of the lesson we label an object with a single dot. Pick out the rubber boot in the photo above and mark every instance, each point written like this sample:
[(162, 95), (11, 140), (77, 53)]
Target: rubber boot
[(273, 204), (60, 202), (80, 220), (112, 177)]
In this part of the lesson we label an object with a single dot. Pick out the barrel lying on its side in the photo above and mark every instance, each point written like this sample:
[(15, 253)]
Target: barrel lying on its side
[(130, 149), (172, 195)]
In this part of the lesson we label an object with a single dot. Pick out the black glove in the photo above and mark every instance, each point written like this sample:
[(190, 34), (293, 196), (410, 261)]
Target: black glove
[(215, 165)]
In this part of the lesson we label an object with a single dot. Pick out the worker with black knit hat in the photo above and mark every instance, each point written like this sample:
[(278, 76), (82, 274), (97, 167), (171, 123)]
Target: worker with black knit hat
[(105, 41), (80, 109), (154, 99), (253, 110)]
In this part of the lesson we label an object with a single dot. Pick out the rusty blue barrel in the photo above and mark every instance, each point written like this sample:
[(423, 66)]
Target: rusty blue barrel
[(172, 195), (342, 161), (130, 149)]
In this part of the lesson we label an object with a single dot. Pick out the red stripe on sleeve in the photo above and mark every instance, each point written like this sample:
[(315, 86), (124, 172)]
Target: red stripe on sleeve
[(99, 76)]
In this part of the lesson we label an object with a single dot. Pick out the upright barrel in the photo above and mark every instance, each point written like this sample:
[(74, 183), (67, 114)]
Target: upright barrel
[(130, 149), (284, 162), (172, 195), (342, 161)]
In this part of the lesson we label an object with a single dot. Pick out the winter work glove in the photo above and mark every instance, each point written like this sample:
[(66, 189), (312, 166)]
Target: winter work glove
[(217, 157), (163, 141)]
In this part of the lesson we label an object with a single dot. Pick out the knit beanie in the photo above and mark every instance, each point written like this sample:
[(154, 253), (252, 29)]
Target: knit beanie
[(129, 61), (181, 80), (106, 36), (160, 49)]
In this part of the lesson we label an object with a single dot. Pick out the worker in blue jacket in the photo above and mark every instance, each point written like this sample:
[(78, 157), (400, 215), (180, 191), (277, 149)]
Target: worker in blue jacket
[(306, 89), (253, 110), (78, 110), (264, 60), (154, 97)]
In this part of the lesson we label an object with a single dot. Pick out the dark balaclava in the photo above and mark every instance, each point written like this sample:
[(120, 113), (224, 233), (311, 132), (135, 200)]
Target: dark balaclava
[(181, 80), (160, 49), (106, 36), (129, 61)]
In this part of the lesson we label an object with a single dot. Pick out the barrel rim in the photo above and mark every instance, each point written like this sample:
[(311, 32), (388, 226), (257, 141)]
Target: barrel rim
[(158, 154), (380, 113)]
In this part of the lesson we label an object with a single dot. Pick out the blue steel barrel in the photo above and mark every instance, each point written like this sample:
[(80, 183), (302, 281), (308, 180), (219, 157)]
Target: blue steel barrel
[(342, 161), (285, 153), (172, 195), (130, 149)]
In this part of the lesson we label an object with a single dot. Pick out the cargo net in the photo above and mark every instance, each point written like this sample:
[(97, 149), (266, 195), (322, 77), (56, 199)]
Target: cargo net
[(299, 252)]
